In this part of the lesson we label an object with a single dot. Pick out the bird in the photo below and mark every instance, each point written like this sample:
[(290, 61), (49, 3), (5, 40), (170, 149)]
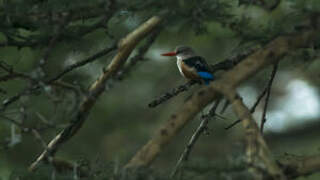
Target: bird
[(190, 65)]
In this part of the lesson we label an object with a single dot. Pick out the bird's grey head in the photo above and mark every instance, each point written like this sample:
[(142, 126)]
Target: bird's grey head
[(184, 51)]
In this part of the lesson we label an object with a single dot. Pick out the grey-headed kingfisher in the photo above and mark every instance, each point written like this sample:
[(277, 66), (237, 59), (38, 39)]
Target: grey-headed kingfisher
[(191, 66)]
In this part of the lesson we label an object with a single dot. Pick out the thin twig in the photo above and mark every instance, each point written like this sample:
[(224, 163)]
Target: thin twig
[(202, 127), (25, 129), (225, 106), (233, 60), (253, 108), (11, 74), (39, 138), (263, 119), (59, 29), (15, 122), (110, 10), (83, 62), (68, 69)]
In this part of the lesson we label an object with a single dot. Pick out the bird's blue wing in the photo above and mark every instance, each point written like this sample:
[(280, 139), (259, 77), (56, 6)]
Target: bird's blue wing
[(201, 67), (205, 75)]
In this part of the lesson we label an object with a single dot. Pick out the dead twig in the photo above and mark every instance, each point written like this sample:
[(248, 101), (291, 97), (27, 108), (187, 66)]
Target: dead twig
[(253, 108), (200, 130), (263, 119)]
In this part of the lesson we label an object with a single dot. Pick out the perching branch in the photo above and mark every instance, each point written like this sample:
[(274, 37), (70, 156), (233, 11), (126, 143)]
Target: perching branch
[(125, 47), (172, 93), (271, 53)]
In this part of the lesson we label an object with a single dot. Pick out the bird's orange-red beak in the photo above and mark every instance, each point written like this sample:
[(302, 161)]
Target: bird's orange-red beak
[(169, 54)]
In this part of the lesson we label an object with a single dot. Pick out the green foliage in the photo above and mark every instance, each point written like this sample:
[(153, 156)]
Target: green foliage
[(61, 32)]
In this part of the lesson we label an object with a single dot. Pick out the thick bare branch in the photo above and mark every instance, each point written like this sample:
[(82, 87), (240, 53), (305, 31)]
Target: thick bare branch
[(125, 47), (139, 56), (256, 147)]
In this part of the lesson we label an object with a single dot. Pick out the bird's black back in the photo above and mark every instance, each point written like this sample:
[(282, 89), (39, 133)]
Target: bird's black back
[(198, 63)]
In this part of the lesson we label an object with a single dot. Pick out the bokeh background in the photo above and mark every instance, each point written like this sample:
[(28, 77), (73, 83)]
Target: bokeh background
[(121, 121)]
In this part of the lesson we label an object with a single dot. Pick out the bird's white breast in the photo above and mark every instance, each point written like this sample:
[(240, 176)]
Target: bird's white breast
[(179, 64)]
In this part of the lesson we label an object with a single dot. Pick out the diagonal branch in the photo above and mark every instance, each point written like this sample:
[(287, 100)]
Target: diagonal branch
[(139, 56), (256, 147), (125, 47)]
